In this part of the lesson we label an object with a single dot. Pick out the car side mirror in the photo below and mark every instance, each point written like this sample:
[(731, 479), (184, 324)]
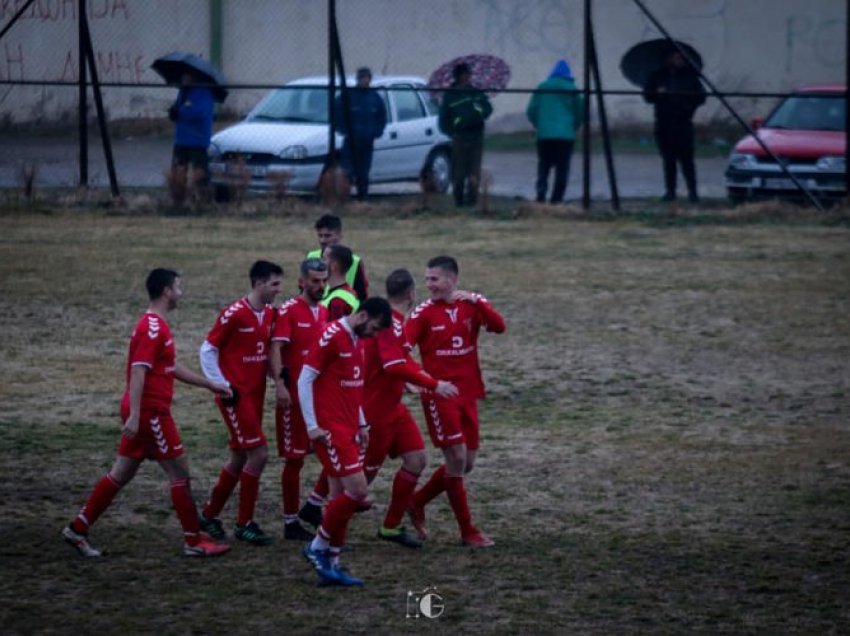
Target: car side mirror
[(757, 122)]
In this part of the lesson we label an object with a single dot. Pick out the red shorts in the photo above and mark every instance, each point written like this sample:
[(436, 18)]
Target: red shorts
[(451, 421), (244, 421), (393, 435), (292, 439), (341, 457), (157, 439)]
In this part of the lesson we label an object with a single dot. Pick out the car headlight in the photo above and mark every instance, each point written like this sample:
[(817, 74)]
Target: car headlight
[(742, 160), (833, 163), (294, 152)]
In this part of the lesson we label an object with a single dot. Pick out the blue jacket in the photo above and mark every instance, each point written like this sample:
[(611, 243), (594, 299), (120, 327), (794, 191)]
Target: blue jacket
[(368, 114), (194, 117)]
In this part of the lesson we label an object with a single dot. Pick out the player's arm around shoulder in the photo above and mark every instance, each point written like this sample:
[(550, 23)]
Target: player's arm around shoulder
[(492, 320)]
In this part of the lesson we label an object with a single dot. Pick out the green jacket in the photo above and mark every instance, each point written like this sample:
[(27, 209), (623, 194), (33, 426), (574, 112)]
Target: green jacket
[(463, 113), (556, 115)]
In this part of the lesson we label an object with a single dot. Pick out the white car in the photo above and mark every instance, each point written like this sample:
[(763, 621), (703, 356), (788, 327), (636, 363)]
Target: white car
[(285, 138)]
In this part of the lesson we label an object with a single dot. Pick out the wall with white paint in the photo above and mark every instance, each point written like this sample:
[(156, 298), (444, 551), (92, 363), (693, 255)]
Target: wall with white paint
[(747, 46)]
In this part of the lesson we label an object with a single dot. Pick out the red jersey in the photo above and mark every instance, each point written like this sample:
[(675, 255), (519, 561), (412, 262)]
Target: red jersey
[(298, 328), (338, 391), (447, 337), (242, 337), (388, 367), (152, 346)]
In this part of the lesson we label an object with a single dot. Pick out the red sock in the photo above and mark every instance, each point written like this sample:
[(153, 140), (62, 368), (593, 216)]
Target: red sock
[(184, 506), (337, 515), (432, 488), (101, 496), (249, 487), (220, 493), (404, 483), (290, 485), (457, 498)]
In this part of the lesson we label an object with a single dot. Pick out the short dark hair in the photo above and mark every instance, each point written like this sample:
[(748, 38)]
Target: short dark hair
[(313, 265), (364, 71), (329, 222), (158, 280), (377, 307), (261, 271), (399, 282), (461, 69), (341, 255), (446, 263)]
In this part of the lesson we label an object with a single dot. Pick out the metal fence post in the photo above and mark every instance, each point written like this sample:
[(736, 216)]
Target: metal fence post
[(83, 128)]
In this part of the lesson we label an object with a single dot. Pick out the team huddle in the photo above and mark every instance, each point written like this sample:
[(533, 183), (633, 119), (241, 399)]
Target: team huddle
[(341, 362)]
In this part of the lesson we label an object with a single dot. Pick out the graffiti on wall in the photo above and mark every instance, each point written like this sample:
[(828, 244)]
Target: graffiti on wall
[(59, 10), (20, 62)]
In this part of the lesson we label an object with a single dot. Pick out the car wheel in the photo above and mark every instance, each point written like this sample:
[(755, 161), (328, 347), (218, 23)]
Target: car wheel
[(439, 165)]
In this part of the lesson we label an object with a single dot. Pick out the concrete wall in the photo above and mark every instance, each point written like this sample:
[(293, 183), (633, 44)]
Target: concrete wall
[(747, 45)]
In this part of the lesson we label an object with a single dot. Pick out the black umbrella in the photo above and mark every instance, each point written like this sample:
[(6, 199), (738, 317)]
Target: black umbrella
[(171, 68), (643, 59)]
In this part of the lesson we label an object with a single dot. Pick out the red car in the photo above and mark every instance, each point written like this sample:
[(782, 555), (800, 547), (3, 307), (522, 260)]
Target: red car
[(807, 132)]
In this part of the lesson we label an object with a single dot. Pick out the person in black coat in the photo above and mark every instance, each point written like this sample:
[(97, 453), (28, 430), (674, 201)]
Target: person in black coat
[(676, 92), (367, 118)]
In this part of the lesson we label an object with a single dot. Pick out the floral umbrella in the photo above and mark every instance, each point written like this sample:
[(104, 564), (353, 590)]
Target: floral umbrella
[(489, 73)]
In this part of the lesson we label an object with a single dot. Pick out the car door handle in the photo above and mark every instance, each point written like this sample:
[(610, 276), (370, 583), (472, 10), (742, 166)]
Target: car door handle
[(429, 131), (393, 135)]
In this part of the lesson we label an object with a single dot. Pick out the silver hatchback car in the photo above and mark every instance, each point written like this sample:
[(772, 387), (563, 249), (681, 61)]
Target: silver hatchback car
[(285, 138)]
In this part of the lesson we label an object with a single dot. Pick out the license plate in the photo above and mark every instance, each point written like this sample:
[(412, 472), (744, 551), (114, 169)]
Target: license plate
[(781, 184), (257, 172)]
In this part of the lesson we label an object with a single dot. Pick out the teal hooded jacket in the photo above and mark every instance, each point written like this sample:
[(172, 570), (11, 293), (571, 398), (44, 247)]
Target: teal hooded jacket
[(556, 115)]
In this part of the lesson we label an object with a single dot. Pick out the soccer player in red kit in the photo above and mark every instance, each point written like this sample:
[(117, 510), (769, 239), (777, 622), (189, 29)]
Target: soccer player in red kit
[(340, 300), (149, 431), (299, 323), (445, 328), (392, 430), (236, 352), (330, 389)]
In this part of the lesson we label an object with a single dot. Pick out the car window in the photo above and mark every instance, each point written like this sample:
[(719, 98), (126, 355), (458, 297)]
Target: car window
[(408, 106), (296, 104), (810, 112), (383, 93), (432, 104)]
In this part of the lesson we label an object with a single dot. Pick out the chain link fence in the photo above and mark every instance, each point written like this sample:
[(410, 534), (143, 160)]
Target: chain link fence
[(753, 52)]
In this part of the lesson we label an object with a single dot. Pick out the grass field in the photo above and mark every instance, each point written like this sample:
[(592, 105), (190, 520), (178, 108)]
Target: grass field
[(665, 444)]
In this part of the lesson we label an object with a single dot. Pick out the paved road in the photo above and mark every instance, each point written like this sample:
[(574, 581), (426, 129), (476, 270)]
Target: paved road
[(143, 162)]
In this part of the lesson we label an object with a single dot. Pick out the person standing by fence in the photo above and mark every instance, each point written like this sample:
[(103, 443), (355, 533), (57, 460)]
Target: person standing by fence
[(676, 92), (361, 125), (462, 115), (556, 112)]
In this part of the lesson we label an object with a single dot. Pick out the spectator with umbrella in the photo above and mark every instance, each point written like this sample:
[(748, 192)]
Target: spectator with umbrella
[(192, 112), (675, 90), (463, 112), (556, 110)]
